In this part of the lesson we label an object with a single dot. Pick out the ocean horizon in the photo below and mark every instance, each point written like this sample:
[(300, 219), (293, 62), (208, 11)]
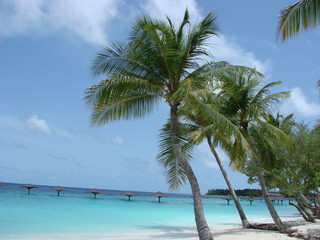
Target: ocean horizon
[(75, 211)]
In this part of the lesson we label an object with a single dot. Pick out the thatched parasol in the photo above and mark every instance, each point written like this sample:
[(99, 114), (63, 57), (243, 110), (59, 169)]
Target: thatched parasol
[(95, 192), (129, 194), (58, 189), (228, 198), (250, 199), (29, 187), (159, 195), (1, 184)]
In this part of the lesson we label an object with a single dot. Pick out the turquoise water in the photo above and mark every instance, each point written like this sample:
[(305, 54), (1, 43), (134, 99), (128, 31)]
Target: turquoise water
[(77, 212)]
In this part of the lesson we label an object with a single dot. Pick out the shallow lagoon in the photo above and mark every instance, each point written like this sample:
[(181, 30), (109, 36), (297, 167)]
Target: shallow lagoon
[(77, 212)]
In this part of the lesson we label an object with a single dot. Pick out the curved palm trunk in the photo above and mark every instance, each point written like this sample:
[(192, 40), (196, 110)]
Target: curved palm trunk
[(264, 189), (201, 223), (244, 220), (272, 210)]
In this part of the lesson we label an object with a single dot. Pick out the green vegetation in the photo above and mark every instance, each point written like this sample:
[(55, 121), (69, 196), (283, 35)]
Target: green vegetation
[(227, 106), (296, 172), (247, 192), (245, 100), (157, 64), (301, 15)]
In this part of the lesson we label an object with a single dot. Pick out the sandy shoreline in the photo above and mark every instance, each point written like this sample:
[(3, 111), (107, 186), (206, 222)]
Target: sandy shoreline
[(219, 234)]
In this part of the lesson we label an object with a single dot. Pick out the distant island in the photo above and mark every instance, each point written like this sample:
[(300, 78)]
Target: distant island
[(240, 192)]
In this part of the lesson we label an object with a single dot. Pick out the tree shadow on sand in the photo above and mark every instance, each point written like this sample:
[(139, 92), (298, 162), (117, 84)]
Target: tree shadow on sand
[(167, 232)]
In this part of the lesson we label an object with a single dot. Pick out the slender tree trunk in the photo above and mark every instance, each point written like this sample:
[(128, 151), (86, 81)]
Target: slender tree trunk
[(264, 189), (201, 223), (305, 214), (305, 203), (303, 198), (244, 220), (272, 210), (299, 210)]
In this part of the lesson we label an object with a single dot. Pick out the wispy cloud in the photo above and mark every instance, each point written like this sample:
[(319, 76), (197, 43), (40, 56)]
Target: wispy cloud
[(173, 9), (138, 164), (20, 146), (78, 18), (69, 159), (90, 21), (224, 48), (300, 104), (13, 169), (207, 158), (227, 49), (117, 140), (39, 125)]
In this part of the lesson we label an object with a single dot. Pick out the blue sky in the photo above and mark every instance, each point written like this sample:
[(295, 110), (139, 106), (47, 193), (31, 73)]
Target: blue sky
[(46, 51)]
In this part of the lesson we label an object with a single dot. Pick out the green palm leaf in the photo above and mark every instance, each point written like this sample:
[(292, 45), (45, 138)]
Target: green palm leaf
[(301, 15), (175, 175), (122, 98)]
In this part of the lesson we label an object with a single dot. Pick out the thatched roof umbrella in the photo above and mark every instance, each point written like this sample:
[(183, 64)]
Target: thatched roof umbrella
[(250, 199), (29, 187), (1, 184), (228, 198), (159, 195), (58, 189), (129, 194), (95, 192)]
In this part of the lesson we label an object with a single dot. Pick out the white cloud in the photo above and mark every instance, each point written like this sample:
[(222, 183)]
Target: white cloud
[(226, 49), (37, 124), (117, 140), (207, 158), (299, 104), (88, 20), (173, 9), (80, 18)]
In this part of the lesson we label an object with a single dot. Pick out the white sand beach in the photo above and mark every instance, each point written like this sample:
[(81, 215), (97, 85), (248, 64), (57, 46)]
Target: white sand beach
[(225, 234)]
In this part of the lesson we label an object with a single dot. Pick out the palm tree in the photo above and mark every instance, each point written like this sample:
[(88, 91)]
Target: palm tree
[(203, 121), (203, 128), (301, 15), (157, 63), (226, 143), (245, 101), (189, 138)]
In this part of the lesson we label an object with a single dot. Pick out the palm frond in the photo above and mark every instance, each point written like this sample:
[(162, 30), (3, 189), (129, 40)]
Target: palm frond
[(121, 98), (268, 139), (194, 45), (270, 102), (173, 171), (212, 118), (301, 15)]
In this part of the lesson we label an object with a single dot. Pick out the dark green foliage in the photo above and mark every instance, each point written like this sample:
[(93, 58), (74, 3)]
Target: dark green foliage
[(247, 192), (299, 169)]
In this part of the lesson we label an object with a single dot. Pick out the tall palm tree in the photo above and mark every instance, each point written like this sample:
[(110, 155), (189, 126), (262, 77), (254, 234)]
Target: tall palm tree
[(223, 140), (203, 128), (301, 15), (245, 102), (191, 134), (203, 121), (158, 62)]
